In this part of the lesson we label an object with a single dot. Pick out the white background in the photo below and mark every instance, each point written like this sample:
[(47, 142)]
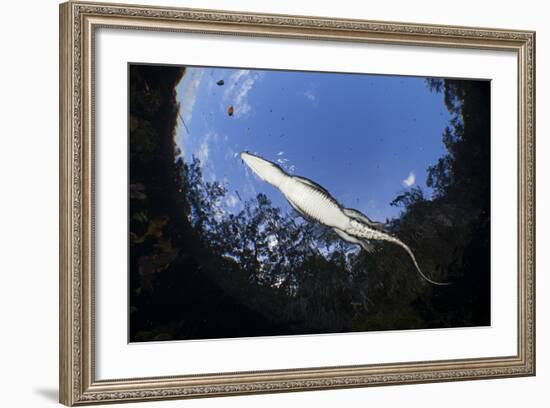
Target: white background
[(28, 165)]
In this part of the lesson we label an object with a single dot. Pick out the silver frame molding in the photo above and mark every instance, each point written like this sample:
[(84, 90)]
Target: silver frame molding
[(78, 22)]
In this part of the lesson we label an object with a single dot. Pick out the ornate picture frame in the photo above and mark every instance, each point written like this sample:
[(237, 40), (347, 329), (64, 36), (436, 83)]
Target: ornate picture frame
[(79, 23)]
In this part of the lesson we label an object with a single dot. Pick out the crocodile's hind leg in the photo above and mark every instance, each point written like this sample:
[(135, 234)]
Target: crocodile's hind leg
[(352, 240)]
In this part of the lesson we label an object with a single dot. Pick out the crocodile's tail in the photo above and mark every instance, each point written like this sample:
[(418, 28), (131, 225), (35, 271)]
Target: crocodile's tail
[(394, 240), (366, 232)]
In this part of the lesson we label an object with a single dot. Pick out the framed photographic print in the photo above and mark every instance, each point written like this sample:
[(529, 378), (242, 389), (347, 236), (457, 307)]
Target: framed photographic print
[(261, 203)]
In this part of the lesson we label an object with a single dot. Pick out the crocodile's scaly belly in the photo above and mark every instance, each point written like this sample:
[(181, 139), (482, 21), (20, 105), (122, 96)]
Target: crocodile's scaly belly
[(315, 204)]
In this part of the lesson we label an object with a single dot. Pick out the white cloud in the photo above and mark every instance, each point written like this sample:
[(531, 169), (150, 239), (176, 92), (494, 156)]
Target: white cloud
[(233, 80), (231, 201), (310, 95), (236, 94), (410, 180), (242, 106), (203, 152), (187, 92), (285, 163), (230, 154), (248, 187)]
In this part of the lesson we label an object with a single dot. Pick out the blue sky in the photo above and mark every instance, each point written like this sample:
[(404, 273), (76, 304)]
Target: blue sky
[(365, 138)]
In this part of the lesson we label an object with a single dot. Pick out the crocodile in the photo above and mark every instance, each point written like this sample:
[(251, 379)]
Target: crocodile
[(316, 204)]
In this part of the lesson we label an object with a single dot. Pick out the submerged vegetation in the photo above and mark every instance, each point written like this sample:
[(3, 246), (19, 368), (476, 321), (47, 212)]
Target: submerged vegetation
[(199, 272)]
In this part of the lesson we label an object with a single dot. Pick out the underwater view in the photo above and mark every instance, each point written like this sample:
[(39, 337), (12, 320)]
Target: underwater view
[(277, 202)]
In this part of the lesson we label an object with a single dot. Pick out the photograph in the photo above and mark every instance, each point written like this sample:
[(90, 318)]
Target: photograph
[(268, 202)]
